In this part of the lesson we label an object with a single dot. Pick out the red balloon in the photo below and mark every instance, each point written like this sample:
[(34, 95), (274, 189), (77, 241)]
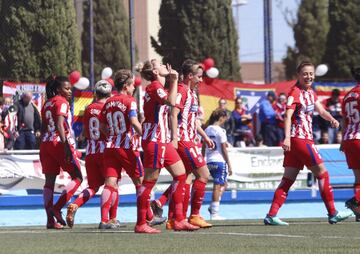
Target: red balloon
[(208, 63), (111, 81), (74, 77), (138, 81)]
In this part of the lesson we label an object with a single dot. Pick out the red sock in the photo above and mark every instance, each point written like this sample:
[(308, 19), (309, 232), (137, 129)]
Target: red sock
[(143, 201), (67, 193), (84, 196), (178, 196), (197, 196), (357, 191), (280, 195), (48, 195), (164, 197), (326, 192), (106, 199), (114, 204), (186, 198)]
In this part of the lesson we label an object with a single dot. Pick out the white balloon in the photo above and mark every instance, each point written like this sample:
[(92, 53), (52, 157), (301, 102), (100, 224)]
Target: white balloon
[(106, 73), (82, 84), (212, 72), (321, 70)]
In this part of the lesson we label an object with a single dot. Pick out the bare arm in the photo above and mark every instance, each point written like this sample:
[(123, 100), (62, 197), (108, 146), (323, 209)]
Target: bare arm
[(173, 81), (226, 156), (205, 137), (287, 129), (60, 127), (326, 115), (174, 125), (136, 125)]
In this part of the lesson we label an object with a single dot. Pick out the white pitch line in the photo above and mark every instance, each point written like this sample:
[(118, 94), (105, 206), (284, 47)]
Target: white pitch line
[(247, 234)]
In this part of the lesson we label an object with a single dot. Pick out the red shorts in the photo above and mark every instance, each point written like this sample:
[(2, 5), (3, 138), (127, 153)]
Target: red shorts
[(94, 170), (116, 159), (303, 152), (351, 149), (191, 155), (52, 158), (159, 155)]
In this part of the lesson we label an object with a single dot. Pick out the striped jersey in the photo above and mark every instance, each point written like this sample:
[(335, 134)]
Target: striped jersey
[(303, 103), (351, 112), (50, 112), (91, 125), (156, 112), (188, 103), (116, 114)]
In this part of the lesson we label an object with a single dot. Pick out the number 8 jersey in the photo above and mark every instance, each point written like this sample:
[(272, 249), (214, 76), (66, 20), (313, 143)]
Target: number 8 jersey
[(350, 111), (91, 121), (116, 115)]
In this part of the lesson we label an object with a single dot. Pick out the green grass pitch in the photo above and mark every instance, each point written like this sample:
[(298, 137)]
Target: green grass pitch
[(231, 236)]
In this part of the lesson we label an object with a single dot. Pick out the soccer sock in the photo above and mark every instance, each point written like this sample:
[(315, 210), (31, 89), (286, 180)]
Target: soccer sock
[(357, 192), (326, 192), (48, 195), (164, 197), (215, 207), (114, 204), (197, 196), (106, 199), (143, 201), (178, 196), (280, 195), (67, 193), (84, 196), (186, 199)]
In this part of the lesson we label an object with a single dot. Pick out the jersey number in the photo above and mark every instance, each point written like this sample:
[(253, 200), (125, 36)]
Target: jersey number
[(116, 122), (50, 120), (352, 112), (94, 128)]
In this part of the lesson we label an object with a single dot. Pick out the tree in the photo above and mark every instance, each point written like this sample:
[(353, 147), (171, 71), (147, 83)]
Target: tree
[(197, 30), (310, 33), (343, 47), (39, 38), (111, 37)]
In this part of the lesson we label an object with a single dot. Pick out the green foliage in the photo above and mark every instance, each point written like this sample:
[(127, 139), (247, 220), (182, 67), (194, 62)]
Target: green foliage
[(197, 30), (310, 33), (343, 47), (39, 38), (111, 37)]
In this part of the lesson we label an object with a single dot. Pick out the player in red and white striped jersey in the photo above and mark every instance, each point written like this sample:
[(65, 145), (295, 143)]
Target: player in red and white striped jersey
[(94, 150), (185, 120), (56, 149), (299, 146), (351, 138), (158, 151)]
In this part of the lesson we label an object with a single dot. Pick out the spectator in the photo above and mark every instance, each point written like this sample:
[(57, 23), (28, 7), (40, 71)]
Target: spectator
[(9, 127), (267, 118), (241, 118), (280, 108), (228, 125), (29, 123), (324, 138), (333, 105), (259, 141)]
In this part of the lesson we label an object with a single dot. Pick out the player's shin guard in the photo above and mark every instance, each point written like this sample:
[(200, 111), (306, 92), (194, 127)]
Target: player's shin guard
[(114, 204), (67, 193), (326, 192), (106, 199), (48, 195), (280, 196), (197, 196), (178, 196), (186, 199), (165, 196), (84, 196), (143, 201)]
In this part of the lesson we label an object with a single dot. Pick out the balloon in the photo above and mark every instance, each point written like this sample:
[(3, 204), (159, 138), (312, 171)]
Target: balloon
[(321, 70), (106, 73), (208, 63), (111, 81), (138, 81), (212, 72), (82, 84), (74, 77)]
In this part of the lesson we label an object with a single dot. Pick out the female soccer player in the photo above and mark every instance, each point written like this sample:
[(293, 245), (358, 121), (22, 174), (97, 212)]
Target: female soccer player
[(299, 148), (158, 151), (94, 150), (217, 159), (351, 138), (56, 149)]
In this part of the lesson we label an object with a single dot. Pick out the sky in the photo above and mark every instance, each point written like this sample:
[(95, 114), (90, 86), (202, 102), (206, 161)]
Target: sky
[(251, 33)]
